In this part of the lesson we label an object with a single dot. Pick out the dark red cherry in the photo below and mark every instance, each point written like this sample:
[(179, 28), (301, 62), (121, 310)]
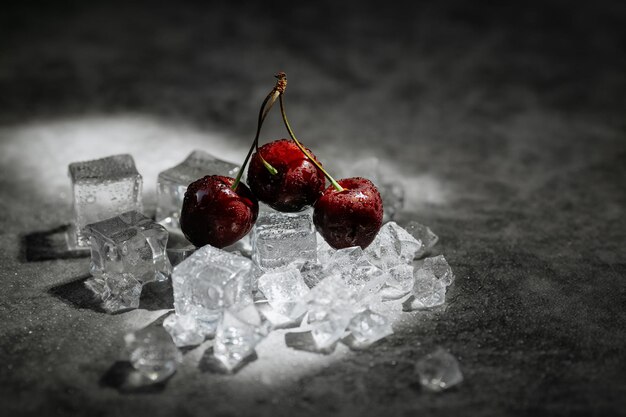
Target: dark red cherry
[(351, 217), (215, 214), (298, 183)]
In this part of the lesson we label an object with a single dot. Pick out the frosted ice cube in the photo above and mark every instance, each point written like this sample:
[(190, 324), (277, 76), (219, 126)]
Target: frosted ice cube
[(238, 333), (209, 281), (368, 327), (438, 371), (101, 189), (392, 246), (285, 291), (428, 291), (153, 353), (129, 243), (440, 268), (173, 182), (356, 271), (279, 239), (184, 330), (119, 292), (424, 235)]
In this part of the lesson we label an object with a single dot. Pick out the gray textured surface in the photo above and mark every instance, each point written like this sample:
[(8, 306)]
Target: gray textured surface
[(505, 123)]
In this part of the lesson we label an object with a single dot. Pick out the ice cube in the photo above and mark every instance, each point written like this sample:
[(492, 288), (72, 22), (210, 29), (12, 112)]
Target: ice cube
[(324, 250), (392, 246), (285, 291), (428, 291), (399, 282), (356, 271), (238, 333), (172, 183), (424, 235), (440, 268), (332, 303), (209, 281), (178, 248), (368, 327), (101, 189), (184, 330), (312, 273), (153, 353), (438, 371), (129, 243), (279, 239), (119, 292)]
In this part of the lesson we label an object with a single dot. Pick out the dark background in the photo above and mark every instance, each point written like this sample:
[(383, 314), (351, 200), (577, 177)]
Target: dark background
[(504, 122)]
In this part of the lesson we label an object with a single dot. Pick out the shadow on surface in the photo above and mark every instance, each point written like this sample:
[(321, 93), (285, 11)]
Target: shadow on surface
[(48, 245), (304, 341), (157, 296), (77, 294), (126, 379), (209, 363)]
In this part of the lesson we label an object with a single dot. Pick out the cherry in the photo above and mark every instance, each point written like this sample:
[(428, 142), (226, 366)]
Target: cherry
[(216, 214), (297, 182), (351, 217)]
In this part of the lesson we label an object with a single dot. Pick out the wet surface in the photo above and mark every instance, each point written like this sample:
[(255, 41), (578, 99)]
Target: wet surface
[(504, 123)]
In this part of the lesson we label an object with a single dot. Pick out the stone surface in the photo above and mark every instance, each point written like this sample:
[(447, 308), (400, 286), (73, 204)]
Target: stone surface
[(172, 183), (504, 122), (129, 243), (102, 188)]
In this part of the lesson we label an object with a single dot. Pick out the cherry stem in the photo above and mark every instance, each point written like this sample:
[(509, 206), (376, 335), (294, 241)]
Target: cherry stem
[(269, 101), (303, 149)]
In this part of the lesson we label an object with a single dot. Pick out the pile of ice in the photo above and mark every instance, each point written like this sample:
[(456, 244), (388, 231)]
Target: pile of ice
[(284, 275)]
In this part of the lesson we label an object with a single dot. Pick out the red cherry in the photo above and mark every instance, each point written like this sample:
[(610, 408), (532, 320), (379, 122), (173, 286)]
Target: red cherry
[(351, 217), (215, 214), (298, 183)]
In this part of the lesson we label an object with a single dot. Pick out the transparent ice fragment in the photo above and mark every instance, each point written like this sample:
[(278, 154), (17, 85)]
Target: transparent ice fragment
[(400, 281), (368, 327), (153, 353), (392, 246), (178, 248), (356, 271), (278, 239), (324, 250), (209, 281), (312, 273), (440, 268), (424, 235), (129, 243), (438, 371), (185, 330), (101, 189), (285, 291), (237, 335), (120, 292), (173, 182), (428, 291)]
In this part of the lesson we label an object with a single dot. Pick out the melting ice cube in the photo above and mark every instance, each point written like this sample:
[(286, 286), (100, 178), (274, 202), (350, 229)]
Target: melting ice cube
[(424, 235), (392, 246), (440, 268), (368, 327), (184, 330), (427, 292), (153, 353), (438, 371), (119, 292)]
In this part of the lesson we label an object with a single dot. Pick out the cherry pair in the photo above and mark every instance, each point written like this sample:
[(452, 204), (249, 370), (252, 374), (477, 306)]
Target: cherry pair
[(219, 210)]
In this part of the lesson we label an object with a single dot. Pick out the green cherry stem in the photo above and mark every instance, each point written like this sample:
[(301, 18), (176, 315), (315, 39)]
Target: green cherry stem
[(303, 149), (269, 101)]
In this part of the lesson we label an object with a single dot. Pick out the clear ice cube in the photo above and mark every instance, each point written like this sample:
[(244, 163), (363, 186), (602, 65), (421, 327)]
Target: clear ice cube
[(119, 292), (152, 352), (312, 273), (428, 291), (101, 189), (424, 235), (279, 239), (438, 371), (129, 243), (209, 281), (184, 330), (440, 268), (392, 246), (178, 248), (368, 327), (173, 182), (285, 292), (238, 333), (324, 250), (400, 281)]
